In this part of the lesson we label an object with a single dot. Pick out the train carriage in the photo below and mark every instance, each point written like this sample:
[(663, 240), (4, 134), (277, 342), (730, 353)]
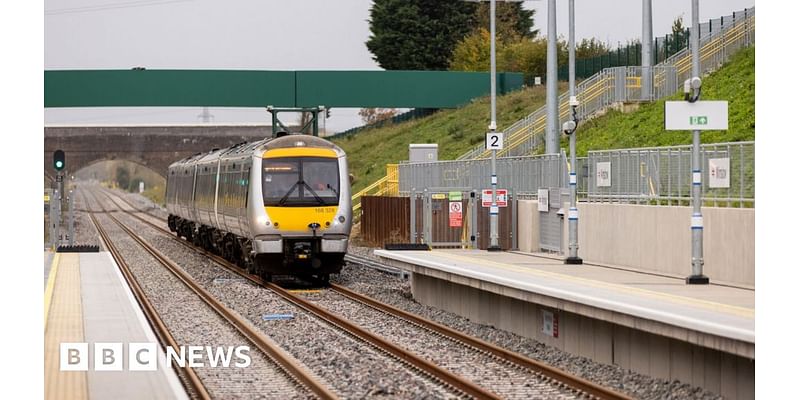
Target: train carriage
[(280, 206)]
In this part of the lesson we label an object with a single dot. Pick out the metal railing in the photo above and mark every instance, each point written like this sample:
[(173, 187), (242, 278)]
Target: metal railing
[(662, 175), (523, 174), (386, 186), (653, 175), (623, 84)]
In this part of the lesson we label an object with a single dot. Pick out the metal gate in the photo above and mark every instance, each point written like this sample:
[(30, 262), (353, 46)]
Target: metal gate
[(448, 217), (440, 227), (551, 219)]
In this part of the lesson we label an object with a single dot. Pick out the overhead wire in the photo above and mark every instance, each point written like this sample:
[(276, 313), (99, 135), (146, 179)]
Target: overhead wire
[(114, 6)]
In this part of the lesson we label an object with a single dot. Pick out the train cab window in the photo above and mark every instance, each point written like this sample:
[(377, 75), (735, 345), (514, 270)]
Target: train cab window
[(300, 181)]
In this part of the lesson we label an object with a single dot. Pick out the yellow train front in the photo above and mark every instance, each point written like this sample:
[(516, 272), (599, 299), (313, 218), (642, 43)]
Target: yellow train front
[(277, 207)]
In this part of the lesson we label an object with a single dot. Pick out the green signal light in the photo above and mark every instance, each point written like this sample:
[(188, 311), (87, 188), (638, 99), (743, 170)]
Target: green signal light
[(59, 164)]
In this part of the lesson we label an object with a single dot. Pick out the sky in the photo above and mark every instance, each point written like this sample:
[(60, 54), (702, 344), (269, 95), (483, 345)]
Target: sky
[(272, 35)]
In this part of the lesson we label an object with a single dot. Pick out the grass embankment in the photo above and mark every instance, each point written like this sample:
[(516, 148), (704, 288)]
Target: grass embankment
[(455, 131), (459, 130), (734, 82)]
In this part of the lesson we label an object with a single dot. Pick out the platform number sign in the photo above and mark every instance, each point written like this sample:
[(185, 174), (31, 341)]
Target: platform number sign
[(494, 141)]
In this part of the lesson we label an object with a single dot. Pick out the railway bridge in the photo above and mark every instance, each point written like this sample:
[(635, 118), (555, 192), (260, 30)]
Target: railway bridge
[(153, 146)]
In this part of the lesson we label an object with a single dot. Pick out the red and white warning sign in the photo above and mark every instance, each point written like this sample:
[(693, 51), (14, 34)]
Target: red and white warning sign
[(455, 214), (502, 198)]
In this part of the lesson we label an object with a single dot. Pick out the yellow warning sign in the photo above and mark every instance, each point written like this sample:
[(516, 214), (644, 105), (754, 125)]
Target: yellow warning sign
[(47, 198), (438, 196)]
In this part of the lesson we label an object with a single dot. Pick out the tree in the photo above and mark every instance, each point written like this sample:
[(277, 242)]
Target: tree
[(418, 34), (523, 55), (473, 52), (512, 22), (373, 115), (677, 26), (590, 48)]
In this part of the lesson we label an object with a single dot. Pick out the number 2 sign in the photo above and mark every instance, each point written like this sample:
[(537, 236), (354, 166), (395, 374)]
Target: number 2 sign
[(494, 141)]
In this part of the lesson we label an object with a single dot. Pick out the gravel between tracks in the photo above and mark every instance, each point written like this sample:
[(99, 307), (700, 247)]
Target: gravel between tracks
[(194, 323), (505, 379), (351, 368), (397, 292)]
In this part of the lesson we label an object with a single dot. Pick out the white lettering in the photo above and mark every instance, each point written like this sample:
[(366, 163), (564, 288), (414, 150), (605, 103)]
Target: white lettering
[(241, 353)]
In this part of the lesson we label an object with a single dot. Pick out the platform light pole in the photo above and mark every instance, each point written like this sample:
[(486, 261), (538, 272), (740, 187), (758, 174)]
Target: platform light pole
[(493, 210), (647, 49), (551, 137), (569, 129), (697, 276), (494, 244)]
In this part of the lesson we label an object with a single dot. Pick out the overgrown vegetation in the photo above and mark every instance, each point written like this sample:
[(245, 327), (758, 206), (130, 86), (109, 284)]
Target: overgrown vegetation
[(734, 82)]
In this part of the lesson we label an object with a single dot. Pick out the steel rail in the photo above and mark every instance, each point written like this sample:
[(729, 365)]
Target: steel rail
[(281, 358), (465, 386), (556, 374), (193, 382), (573, 381)]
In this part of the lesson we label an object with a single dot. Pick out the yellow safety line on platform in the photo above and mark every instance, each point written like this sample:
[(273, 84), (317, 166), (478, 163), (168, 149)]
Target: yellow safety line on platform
[(64, 325), (714, 306), (51, 281)]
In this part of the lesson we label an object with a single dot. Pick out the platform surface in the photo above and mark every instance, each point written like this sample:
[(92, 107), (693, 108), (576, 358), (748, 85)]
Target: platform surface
[(88, 301), (723, 311)]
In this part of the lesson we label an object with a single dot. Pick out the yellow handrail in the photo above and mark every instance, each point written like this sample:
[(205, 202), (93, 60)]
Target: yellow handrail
[(388, 185)]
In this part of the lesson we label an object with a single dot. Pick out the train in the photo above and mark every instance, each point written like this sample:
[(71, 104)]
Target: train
[(278, 206)]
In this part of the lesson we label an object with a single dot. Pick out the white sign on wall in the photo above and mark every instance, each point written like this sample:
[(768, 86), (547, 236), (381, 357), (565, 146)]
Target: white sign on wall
[(544, 200), (700, 115), (719, 172), (537, 80), (604, 174), (549, 323)]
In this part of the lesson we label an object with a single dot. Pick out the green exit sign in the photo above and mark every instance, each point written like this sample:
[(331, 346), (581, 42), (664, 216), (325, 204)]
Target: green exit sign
[(700, 115), (700, 120)]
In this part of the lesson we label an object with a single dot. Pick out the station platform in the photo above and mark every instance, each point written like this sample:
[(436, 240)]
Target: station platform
[(87, 300), (657, 325)]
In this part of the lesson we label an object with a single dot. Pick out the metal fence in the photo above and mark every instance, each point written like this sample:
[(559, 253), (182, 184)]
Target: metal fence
[(523, 174), (663, 47), (623, 84), (662, 175), (656, 175)]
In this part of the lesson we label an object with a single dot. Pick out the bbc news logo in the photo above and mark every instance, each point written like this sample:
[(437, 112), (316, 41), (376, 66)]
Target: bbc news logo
[(145, 356)]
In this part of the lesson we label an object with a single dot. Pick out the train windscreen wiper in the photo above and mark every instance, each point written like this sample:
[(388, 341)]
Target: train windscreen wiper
[(316, 196), (336, 192), (286, 196)]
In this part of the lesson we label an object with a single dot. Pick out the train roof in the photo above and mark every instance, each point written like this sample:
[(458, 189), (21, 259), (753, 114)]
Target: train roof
[(245, 149)]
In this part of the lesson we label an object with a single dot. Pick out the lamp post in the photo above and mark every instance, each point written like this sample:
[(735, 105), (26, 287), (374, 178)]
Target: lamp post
[(551, 137), (569, 129), (697, 276)]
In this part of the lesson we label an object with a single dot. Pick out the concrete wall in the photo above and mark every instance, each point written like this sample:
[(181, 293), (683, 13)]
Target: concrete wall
[(654, 355), (656, 238)]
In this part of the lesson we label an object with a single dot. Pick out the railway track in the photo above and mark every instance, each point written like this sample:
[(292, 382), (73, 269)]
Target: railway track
[(282, 360), (548, 374)]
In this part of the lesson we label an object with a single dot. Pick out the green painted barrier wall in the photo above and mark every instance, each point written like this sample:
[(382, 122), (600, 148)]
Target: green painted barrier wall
[(165, 88)]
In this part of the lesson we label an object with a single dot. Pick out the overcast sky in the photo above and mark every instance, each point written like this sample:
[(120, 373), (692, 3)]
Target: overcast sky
[(272, 35)]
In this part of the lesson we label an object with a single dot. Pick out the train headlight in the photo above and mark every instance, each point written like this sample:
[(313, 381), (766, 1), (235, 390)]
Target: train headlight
[(263, 220), (341, 219), (299, 143)]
